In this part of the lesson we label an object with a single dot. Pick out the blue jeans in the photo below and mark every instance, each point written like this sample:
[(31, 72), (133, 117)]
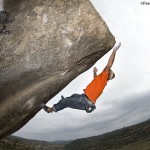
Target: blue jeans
[(75, 101)]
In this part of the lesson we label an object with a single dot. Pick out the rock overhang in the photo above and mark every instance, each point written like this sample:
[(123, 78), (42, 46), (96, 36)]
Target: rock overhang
[(51, 44)]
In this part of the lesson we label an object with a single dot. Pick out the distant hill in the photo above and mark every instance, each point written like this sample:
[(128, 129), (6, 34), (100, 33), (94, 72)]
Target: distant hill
[(17, 143), (136, 137)]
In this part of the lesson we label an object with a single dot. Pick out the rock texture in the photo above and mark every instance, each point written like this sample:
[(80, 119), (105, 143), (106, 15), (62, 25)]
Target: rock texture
[(52, 42)]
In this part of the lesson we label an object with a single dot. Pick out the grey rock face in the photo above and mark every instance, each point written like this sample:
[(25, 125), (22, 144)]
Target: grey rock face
[(52, 42)]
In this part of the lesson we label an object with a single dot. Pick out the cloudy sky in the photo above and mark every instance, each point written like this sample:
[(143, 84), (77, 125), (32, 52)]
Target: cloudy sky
[(125, 100)]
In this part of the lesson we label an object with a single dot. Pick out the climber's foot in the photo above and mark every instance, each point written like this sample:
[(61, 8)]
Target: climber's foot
[(47, 109)]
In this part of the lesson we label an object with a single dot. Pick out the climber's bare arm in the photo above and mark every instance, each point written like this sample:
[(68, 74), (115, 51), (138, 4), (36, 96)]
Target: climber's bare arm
[(112, 57), (95, 72)]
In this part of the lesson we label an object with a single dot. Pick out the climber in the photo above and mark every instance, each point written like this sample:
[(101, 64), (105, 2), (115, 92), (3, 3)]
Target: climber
[(87, 100)]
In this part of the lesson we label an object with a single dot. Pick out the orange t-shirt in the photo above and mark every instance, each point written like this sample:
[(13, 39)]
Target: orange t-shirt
[(96, 87)]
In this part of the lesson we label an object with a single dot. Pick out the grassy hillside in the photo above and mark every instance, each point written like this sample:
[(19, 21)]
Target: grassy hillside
[(136, 137), (9, 144), (17, 143)]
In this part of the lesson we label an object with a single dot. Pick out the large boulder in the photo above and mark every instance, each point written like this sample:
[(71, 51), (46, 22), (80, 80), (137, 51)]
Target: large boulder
[(52, 42)]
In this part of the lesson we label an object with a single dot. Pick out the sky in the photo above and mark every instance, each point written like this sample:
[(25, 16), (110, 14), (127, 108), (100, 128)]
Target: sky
[(125, 100)]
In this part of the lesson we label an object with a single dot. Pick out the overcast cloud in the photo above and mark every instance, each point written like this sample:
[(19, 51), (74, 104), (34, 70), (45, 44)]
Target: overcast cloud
[(125, 100)]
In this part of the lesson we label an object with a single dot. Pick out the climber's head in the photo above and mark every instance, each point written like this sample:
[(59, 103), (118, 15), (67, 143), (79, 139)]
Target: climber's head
[(111, 75)]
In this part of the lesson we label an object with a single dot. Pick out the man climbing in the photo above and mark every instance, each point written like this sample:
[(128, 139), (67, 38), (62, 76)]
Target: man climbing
[(87, 100)]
